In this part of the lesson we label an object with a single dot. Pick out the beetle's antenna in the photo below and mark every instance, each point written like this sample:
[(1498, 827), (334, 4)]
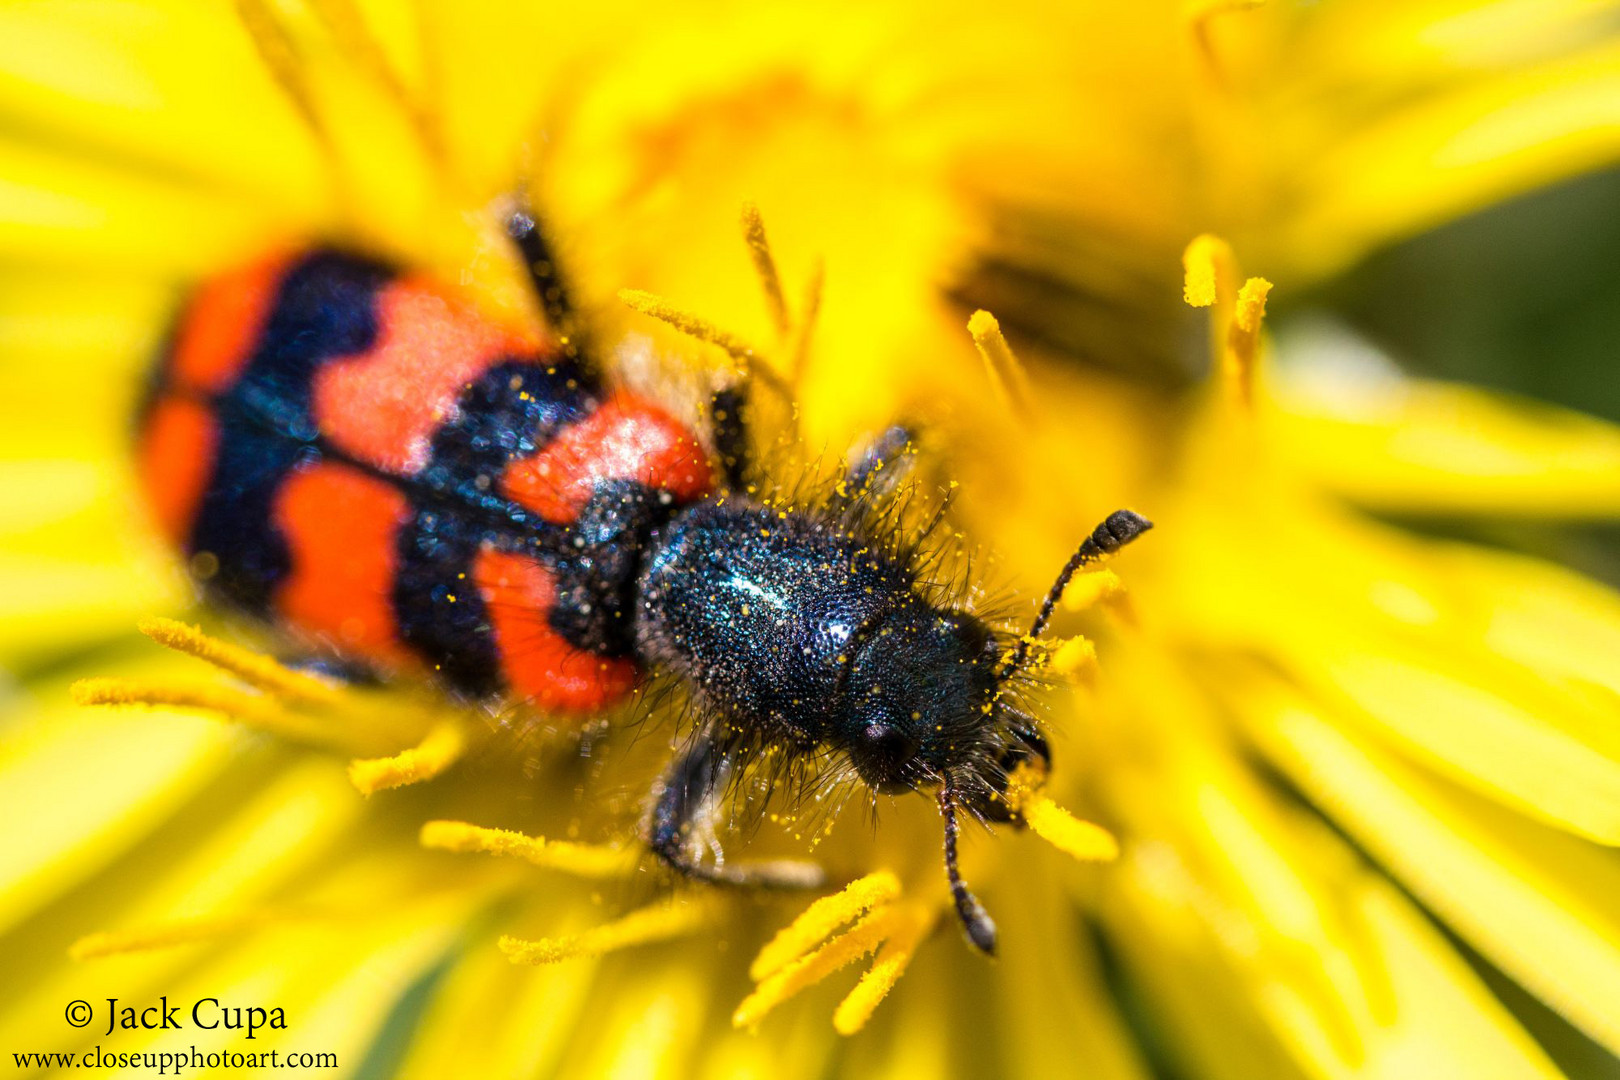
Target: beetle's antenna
[(980, 929), (1119, 529)]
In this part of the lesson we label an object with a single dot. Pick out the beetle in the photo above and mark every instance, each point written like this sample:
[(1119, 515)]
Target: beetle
[(355, 454)]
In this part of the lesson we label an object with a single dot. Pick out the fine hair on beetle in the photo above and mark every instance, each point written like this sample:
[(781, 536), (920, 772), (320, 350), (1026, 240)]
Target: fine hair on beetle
[(538, 534)]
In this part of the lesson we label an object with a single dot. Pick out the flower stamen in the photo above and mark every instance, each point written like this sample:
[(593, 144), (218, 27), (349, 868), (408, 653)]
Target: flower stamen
[(1079, 839), (347, 25), (580, 860), (1075, 657), (839, 952), (1243, 338), (891, 963), (1211, 280), (440, 749), (253, 668), (759, 248), (745, 357), (1092, 587), (1210, 270), (280, 57), (250, 710), (821, 918), (641, 927), (1008, 380)]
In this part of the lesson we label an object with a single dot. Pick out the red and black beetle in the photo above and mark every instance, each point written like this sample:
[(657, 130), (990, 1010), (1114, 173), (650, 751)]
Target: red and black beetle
[(357, 456)]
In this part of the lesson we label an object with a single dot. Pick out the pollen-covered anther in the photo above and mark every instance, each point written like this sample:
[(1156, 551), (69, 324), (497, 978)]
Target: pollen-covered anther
[(1211, 271), (1008, 380), (1076, 658), (897, 927), (259, 712), (1243, 339), (1082, 840), (658, 922), (1212, 277), (821, 918), (581, 860), (441, 749), (1089, 588), (253, 668), (759, 249)]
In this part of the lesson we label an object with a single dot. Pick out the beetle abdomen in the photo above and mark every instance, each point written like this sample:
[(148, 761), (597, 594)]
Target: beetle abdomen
[(364, 459)]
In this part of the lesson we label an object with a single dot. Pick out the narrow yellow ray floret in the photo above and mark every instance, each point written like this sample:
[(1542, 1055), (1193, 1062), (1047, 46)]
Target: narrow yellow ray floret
[(440, 749), (581, 860), (253, 668), (821, 918), (1007, 377), (645, 925)]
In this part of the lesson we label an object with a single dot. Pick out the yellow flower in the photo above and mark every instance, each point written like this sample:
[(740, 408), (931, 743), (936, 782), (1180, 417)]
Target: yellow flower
[(1362, 780)]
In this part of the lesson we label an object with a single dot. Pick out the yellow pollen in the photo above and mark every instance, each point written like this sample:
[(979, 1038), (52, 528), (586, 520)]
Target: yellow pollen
[(1046, 819), (250, 710), (1243, 339), (437, 752), (1007, 378), (759, 249), (1211, 271), (891, 963), (1212, 281), (251, 667), (1076, 656), (640, 927), (810, 969), (185, 932), (821, 919), (1092, 587), (581, 860)]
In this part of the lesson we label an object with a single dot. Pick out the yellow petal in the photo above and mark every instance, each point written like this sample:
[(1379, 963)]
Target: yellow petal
[(1536, 902), (93, 782), (1436, 448), (1443, 154)]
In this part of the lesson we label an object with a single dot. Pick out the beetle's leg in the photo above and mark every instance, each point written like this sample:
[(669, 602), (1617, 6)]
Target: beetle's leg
[(528, 235), (691, 791), (728, 422)]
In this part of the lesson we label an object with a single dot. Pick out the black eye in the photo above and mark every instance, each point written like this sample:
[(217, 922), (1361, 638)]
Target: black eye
[(889, 746)]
